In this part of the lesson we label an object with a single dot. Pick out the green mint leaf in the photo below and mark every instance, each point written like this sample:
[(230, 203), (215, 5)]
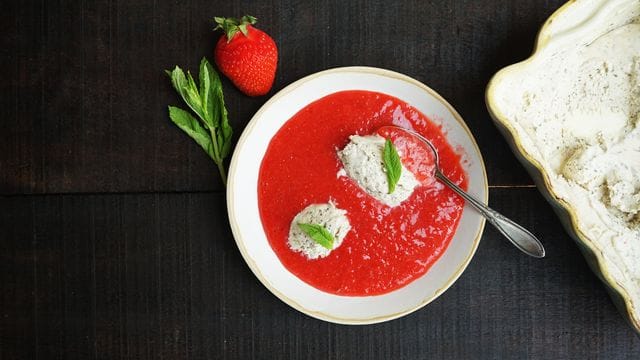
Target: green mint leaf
[(224, 129), (319, 234), (178, 80), (207, 94), (227, 133), (192, 127), (392, 164), (194, 100), (221, 119), (185, 86)]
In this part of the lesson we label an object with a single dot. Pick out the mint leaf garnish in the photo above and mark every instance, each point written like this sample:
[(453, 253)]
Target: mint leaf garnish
[(392, 164), (319, 234)]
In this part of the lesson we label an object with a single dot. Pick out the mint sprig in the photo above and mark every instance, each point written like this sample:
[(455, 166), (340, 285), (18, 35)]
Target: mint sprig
[(211, 129), (319, 234), (392, 164)]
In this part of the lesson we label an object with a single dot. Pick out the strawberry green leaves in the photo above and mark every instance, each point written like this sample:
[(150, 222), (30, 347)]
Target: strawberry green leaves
[(392, 164), (211, 129), (231, 26), (319, 234)]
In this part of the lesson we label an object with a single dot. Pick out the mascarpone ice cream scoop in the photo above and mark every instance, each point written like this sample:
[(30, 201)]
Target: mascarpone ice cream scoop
[(362, 162), (333, 219)]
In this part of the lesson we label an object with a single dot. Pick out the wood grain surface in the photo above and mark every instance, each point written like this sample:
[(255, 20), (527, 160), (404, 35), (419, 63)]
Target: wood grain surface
[(158, 276), (114, 238), (84, 103)]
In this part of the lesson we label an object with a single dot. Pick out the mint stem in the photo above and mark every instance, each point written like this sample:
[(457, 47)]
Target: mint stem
[(223, 172)]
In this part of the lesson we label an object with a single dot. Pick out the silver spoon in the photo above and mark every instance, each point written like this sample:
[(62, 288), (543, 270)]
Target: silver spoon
[(519, 236)]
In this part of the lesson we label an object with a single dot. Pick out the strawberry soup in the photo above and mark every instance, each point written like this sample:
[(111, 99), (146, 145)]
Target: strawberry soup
[(387, 247)]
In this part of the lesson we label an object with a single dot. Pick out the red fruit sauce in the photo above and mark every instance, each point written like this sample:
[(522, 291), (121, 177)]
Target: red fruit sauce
[(387, 248)]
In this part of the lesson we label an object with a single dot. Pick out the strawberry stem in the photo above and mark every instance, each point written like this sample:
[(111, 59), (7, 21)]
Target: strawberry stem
[(231, 26)]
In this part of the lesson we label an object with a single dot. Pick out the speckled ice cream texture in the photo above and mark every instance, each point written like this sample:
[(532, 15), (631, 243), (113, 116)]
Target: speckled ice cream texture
[(576, 111), (328, 215), (362, 161)]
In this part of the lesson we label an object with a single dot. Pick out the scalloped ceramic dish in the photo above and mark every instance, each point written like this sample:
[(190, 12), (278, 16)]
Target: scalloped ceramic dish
[(242, 198), (575, 24)]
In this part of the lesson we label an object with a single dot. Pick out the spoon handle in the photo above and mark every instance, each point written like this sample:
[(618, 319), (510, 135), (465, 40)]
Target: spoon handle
[(519, 236)]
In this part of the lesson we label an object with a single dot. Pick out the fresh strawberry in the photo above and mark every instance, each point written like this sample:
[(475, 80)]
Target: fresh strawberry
[(246, 55)]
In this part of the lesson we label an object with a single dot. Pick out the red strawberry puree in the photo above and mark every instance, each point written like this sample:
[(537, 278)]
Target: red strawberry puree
[(387, 248)]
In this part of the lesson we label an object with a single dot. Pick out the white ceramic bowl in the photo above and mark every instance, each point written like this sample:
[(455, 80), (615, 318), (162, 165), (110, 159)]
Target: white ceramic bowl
[(242, 198)]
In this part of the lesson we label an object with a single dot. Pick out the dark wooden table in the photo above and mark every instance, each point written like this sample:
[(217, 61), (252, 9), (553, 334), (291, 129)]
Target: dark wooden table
[(114, 239)]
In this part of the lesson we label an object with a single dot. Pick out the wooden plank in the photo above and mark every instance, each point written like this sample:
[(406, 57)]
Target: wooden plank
[(159, 276), (84, 95)]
